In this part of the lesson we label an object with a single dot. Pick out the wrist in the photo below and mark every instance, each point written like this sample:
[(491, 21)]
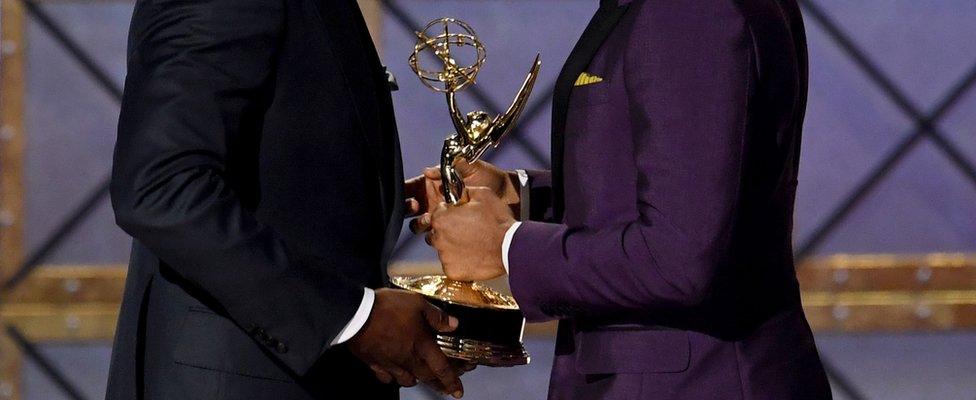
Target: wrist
[(505, 225), (378, 302), (503, 228)]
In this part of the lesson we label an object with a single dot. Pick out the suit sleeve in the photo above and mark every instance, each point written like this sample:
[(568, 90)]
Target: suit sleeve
[(198, 83), (688, 74)]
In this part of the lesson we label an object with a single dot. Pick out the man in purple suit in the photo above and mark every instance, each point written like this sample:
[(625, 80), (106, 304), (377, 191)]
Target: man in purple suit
[(661, 238)]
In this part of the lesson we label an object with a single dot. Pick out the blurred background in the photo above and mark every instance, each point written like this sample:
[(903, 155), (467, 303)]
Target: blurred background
[(885, 216)]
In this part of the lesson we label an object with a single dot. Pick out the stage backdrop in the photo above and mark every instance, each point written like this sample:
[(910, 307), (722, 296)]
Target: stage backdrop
[(920, 203)]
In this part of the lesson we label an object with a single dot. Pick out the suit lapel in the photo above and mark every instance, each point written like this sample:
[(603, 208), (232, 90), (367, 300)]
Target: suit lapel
[(385, 140), (367, 89), (596, 33), (395, 220)]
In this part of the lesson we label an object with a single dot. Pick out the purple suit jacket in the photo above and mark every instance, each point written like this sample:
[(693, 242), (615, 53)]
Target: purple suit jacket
[(662, 238)]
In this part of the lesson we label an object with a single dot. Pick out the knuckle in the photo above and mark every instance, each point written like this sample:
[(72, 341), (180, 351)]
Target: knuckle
[(443, 371), (424, 376), (437, 221), (404, 376)]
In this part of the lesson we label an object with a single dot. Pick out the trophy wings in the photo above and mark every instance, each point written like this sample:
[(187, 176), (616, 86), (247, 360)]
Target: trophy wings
[(503, 123)]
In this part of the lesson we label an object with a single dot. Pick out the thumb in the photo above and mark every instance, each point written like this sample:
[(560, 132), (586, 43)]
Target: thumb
[(432, 173), (439, 320)]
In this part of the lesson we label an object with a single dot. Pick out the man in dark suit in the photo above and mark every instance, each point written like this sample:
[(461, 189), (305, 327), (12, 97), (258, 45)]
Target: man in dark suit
[(661, 239), (258, 170)]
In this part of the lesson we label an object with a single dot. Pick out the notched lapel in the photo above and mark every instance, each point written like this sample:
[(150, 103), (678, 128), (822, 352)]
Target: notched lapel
[(361, 86), (368, 91), (596, 33)]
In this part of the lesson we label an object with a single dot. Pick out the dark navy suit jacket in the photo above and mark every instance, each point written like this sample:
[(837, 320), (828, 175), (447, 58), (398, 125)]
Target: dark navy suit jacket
[(258, 171), (662, 237)]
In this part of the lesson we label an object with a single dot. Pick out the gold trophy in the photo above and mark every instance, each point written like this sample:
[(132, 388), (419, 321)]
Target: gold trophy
[(490, 324)]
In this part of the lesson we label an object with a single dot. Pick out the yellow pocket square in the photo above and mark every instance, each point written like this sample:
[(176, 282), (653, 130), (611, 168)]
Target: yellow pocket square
[(587, 79)]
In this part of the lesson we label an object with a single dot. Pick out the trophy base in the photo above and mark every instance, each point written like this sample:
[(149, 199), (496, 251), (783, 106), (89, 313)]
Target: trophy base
[(490, 325), (483, 353)]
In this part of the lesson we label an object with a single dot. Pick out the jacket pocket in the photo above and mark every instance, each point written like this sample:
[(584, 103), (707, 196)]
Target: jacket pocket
[(589, 95), (632, 351), (213, 342)]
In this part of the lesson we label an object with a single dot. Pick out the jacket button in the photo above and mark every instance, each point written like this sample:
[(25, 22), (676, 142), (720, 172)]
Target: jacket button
[(281, 348)]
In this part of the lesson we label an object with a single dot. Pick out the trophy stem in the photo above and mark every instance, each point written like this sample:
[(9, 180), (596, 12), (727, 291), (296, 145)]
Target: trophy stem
[(453, 184), (456, 117)]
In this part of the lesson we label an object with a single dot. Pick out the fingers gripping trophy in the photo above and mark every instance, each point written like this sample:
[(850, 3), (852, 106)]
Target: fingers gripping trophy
[(490, 324)]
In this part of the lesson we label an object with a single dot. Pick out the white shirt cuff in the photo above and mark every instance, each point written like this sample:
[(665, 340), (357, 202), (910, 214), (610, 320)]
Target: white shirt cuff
[(507, 242), (358, 319)]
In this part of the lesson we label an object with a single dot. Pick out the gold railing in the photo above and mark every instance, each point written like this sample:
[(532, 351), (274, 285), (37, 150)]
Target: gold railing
[(841, 293)]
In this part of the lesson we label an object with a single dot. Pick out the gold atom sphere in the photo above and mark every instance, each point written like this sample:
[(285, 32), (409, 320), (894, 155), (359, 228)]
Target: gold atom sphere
[(441, 37)]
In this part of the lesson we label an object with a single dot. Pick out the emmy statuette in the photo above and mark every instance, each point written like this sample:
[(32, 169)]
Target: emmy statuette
[(490, 324)]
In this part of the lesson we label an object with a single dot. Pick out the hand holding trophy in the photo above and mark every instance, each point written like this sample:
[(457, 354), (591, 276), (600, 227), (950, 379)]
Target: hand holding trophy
[(490, 323)]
